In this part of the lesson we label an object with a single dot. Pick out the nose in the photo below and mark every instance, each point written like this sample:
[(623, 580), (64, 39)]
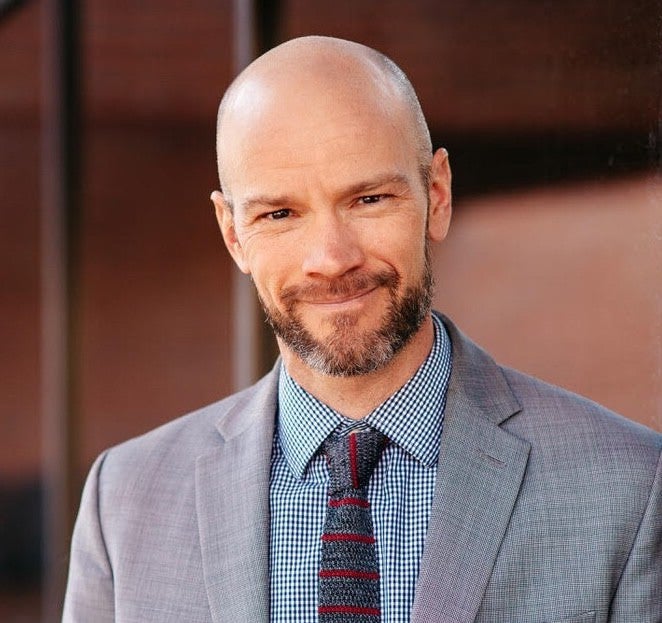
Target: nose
[(333, 249)]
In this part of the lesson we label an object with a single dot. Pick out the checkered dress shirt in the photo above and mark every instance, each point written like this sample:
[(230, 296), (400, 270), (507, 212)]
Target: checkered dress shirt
[(400, 492)]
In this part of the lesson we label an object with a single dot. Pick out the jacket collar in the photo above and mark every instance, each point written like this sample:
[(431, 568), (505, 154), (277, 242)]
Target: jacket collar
[(232, 503), (480, 472)]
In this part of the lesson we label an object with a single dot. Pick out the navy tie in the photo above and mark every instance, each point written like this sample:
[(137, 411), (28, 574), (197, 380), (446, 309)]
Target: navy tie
[(349, 574)]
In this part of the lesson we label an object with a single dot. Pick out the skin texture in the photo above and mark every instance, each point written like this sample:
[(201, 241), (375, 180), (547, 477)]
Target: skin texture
[(330, 199)]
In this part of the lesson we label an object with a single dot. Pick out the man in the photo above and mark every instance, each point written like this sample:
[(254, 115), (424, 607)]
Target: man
[(495, 497)]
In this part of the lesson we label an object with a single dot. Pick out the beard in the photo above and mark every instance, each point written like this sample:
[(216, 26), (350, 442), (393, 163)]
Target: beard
[(348, 351)]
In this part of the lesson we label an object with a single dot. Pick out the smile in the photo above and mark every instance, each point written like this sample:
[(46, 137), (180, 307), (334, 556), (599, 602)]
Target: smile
[(341, 301)]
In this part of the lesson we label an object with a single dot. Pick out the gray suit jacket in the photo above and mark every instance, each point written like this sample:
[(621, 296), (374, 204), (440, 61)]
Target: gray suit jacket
[(547, 509)]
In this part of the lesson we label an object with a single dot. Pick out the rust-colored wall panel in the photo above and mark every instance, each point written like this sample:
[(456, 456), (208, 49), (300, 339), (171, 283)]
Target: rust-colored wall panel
[(516, 66), (20, 66), (155, 280), (19, 303), (156, 60), (564, 284), (155, 283)]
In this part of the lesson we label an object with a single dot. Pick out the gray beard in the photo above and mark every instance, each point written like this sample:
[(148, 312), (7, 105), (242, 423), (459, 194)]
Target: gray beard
[(347, 353)]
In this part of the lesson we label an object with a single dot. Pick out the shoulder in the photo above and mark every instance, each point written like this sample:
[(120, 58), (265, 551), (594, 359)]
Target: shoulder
[(585, 460), (558, 424), (582, 453), (553, 415)]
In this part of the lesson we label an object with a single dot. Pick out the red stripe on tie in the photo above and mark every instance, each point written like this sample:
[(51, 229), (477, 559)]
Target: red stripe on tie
[(350, 502), (349, 610), (353, 462), (349, 573), (356, 538)]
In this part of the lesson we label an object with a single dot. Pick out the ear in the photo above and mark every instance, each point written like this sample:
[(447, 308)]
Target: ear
[(225, 220), (439, 217)]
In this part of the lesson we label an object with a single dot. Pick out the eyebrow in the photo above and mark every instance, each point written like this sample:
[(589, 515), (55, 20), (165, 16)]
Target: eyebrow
[(367, 186), (362, 187), (278, 201)]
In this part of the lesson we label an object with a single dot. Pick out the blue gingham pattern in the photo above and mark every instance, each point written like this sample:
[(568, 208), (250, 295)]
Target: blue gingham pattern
[(400, 492)]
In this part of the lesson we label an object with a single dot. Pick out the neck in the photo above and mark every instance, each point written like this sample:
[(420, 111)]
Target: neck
[(356, 396)]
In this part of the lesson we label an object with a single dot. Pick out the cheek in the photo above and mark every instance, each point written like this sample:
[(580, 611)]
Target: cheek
[(404, 249), (270, 273)]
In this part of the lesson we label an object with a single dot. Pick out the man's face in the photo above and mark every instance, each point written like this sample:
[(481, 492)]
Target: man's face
[(330, 219)]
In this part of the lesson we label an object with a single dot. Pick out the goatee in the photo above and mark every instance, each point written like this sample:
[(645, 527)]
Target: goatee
[(349, 351)]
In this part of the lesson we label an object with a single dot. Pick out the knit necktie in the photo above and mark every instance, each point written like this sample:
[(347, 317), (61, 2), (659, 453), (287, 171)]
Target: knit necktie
[(349, 574)]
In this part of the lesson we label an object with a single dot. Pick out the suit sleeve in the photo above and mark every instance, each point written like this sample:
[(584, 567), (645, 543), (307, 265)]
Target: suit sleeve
[(89, 595), (639, 594)]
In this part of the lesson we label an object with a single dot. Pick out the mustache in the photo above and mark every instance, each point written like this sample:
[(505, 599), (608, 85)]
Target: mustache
[(347, 285)]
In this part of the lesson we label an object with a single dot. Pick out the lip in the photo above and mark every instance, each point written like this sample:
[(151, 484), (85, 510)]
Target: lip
[(343, 301)]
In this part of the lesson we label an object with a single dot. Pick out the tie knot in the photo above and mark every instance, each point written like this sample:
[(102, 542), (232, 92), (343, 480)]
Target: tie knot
[(353, 458)]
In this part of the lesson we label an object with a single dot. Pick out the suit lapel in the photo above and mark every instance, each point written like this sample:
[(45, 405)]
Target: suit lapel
[(232, 501), (481, 467)]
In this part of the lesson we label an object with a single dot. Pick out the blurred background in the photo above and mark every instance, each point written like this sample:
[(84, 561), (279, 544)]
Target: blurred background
[(119, 307)]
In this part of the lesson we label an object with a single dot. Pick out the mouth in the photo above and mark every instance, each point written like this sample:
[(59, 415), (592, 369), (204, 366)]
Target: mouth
[(339, 300), (340, 303), (341, 295)]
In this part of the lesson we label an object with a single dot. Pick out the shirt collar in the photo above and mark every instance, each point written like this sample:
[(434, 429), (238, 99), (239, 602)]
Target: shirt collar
[(304, 422)]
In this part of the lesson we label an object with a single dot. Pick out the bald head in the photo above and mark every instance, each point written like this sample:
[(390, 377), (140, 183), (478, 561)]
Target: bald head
[(312, 79)]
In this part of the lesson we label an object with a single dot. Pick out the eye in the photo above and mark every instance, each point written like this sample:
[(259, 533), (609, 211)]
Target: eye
[(367, 199), (278, 214)]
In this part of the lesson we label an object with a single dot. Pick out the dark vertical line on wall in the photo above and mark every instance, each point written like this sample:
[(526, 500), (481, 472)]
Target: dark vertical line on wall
[(655, 144), (255, 31), (60, 198), (268, 27), (655, 141), (268, 23), (245, 313)]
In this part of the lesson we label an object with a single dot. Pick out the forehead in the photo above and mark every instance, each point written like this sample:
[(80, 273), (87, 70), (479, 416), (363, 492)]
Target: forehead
[(334, 138)]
